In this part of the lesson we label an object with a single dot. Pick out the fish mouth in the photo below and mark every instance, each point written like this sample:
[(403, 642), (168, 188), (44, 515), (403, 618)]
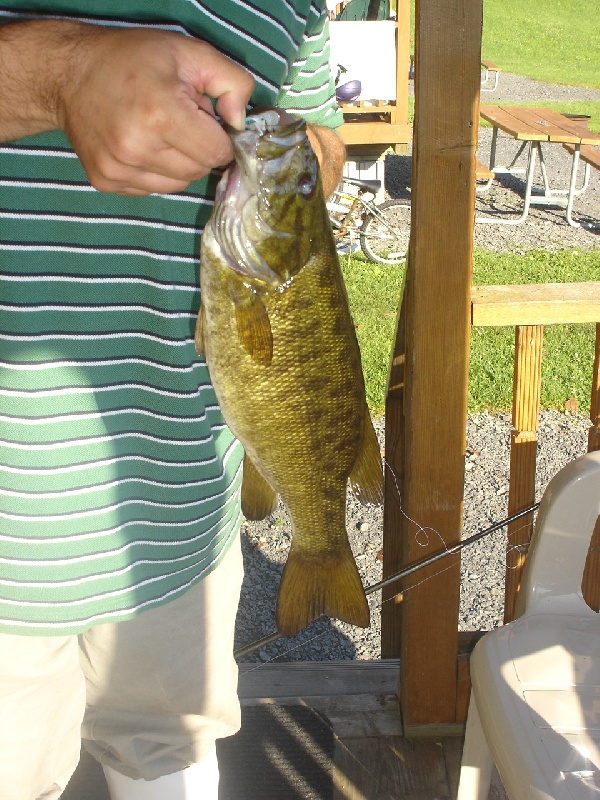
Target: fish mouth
[(228, 230), (237, 223)]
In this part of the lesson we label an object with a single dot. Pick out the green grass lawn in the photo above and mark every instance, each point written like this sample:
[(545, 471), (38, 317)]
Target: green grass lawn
[(556, 41), (568, 349)]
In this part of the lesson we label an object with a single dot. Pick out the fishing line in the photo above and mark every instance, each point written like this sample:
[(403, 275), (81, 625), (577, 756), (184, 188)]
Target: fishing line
[(403, 573)]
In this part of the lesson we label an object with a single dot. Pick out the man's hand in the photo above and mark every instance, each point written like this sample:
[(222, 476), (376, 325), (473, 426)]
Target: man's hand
[(135, 103)]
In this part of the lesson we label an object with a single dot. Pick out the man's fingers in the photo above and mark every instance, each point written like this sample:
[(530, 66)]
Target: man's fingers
[(199, 136), (226, 82), (168, 171)]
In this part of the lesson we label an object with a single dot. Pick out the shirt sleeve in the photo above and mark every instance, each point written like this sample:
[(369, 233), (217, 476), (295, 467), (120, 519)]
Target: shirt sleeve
[(309, 89)]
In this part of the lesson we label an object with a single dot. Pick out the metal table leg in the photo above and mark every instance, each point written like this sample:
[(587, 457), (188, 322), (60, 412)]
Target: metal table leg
[(528, 182)]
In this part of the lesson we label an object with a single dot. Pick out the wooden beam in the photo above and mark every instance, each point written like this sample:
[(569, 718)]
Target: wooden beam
[(374, 133), (393, 520), (536, 304), (400, 115), (438, 301)]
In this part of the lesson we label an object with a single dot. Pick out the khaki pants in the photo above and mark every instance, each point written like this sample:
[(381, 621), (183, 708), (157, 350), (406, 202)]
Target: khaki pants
[(148, 696)]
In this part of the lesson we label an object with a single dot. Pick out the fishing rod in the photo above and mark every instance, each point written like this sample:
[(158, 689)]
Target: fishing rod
[(414, 567)]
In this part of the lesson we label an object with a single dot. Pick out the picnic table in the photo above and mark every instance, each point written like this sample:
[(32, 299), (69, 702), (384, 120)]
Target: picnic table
[(534, 127)]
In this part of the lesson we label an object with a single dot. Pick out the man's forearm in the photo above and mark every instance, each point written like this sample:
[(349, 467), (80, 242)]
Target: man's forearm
[(331, 153), (37, 60)]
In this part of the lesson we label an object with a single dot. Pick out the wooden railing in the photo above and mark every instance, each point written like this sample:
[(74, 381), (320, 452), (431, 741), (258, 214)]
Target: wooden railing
[(529, 308), (427, 613)]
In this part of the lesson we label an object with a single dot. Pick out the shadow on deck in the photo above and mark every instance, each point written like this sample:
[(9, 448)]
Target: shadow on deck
[(326, 731)]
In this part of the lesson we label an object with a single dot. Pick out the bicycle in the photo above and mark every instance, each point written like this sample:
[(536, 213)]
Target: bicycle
[(382, 230)]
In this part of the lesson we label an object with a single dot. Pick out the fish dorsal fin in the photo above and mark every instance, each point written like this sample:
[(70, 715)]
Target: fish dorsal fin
[(366, 478), (259, 500), (254, 329), (199, 335)]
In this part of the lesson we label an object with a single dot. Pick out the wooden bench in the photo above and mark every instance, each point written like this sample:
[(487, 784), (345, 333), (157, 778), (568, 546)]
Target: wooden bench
[(486, 68), (483, 177), (483, 173), (587, 153)]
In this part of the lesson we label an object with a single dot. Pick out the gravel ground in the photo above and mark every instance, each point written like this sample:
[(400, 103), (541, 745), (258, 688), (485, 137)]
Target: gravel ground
[(562, 437)]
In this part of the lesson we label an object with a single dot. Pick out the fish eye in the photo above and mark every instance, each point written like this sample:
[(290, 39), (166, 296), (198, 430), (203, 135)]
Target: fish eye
[(306, 186)]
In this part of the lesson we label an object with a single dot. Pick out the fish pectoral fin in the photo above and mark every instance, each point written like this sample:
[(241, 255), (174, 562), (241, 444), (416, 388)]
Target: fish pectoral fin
[(366, 478), (313, 586), (259, 499), (199, 334), (254, 329)]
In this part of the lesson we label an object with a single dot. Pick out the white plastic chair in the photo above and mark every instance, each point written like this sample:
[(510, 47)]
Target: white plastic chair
[(535, 702)]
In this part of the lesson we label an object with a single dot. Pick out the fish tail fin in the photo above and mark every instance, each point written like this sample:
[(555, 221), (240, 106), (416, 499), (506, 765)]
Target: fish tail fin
[(366, 478), (311, 587)]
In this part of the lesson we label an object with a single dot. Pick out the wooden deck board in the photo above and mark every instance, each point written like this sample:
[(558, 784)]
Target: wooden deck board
[(371, 759), (326, 678), (387, 768)]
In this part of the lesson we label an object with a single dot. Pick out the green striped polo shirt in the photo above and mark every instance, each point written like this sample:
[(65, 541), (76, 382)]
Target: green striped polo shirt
[(119, 480)]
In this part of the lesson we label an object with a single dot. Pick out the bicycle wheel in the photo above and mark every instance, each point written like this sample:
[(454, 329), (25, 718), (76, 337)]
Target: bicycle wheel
[(385, 233)]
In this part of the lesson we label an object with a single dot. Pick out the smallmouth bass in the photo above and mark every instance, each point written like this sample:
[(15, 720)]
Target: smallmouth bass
[(281, 348)]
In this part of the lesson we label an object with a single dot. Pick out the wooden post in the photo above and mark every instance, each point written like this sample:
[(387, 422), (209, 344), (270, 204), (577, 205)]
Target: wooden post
[(394, 480), (399, 113), (523, 452), (590, 584), (437, 296)]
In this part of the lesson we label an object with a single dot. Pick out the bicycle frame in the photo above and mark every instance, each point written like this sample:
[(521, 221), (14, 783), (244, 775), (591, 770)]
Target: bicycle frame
[(347, 223)]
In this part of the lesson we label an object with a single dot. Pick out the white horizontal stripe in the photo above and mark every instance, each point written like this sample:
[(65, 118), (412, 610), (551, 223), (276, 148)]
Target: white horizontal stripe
[(311, 73), (78, 308), (23, 184), (222, 523), (88, 415), (155, 225), (43, 366), (120, 613), (89, 441), (83, 187), (48, 248), (100, 463), (71, 391), (109, 23), (30, 151), (305, 92), (315, 54), (95, 337), (100, 512), (109, 485), (90, 558), (242, 34), (257, 13), (328, 104), (91, 280)]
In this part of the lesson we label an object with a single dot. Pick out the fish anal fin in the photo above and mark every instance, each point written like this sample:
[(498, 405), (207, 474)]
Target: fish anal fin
[(199, 334), (259, 499), (366, 478), (254, 329), (312, 586)]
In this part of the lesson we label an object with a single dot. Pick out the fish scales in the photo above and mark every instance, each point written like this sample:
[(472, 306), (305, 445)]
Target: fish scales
[(282, 352)]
